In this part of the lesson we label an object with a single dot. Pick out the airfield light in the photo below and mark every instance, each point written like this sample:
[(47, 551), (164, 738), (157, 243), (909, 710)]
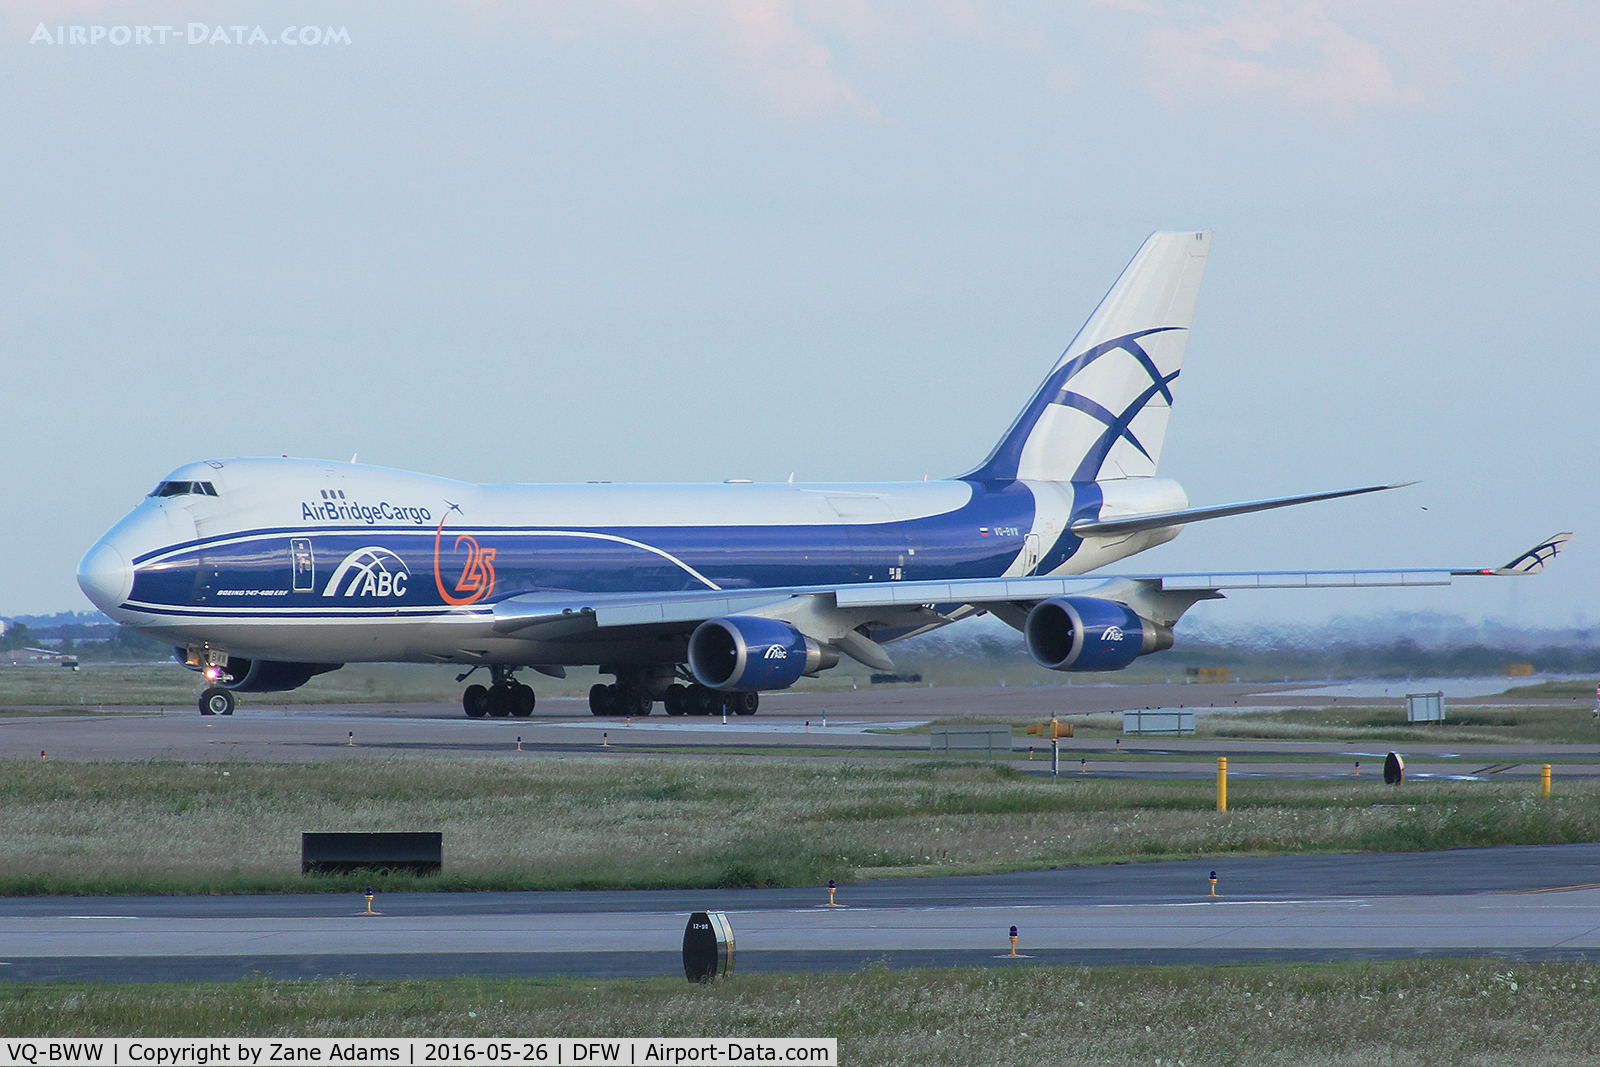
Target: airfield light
[(1013, 940), (832, 886), (1213, 883)]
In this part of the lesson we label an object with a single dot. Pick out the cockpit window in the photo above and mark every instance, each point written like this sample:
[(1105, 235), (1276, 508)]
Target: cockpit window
[(184, 489)]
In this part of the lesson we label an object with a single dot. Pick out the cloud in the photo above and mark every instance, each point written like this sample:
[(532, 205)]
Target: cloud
[(1346, 55), (793, 68), (1295, 52)]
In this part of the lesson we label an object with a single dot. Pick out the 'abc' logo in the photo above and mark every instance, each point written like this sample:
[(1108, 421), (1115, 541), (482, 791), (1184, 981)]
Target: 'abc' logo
[(371, 571), (775, 652)]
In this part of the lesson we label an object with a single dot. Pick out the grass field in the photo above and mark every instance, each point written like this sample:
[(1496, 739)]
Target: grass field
[(545, 823), (168, 684), (1412, 1012), (1508, 724)]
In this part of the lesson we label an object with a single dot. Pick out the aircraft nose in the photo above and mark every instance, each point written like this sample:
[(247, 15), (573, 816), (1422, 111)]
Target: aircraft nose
[(105, 577)]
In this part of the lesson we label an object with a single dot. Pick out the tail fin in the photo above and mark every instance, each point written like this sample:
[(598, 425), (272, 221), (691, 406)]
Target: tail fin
[(1102, 412)]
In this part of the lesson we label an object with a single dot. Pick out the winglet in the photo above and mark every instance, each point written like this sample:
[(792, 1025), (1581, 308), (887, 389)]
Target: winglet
[(1532, 561)]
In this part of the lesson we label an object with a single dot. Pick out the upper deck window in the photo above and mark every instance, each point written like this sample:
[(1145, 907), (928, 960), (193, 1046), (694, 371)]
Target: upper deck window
[(184, 489)]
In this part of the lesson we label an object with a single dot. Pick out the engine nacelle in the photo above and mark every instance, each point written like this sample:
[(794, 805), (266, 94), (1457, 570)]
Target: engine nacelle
[(260, 675), (747, 652), (1073, 633)]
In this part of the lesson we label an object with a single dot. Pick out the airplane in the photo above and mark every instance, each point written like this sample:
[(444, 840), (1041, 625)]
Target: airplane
[(263, 573)]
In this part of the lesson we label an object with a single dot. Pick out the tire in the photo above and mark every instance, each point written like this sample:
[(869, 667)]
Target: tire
[(522, 704), (632, 700), (475, 701), (744, 703), (703, 700), (216, 701), (600, 699), (675, 699), (502, 699)]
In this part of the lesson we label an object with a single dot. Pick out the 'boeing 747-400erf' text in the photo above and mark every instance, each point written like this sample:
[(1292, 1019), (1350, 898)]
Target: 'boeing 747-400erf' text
[(262, 573)]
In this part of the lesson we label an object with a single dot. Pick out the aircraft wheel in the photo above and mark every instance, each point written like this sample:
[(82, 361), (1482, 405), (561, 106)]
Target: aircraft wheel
[(744, 703), (523, 701), (600, 699), (475, 701), (675, 700), (703, 700), (216, 701), (501, 698), (634, 700)]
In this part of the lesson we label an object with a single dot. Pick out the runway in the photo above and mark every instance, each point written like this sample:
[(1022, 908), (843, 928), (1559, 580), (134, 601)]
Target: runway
[(888, 723), (1518, 902)]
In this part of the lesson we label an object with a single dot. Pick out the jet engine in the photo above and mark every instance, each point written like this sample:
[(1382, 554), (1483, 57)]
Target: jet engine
[(259, 675), (746, 652), (1088, 634)]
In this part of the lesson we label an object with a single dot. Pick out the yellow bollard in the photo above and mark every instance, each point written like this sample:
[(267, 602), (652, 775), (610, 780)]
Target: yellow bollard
[(1544, 780), (1222, 783), (831, 887), (1013, 940), (1213, 883)]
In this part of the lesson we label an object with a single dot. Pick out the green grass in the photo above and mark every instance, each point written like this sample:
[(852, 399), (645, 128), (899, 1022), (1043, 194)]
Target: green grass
[(542, 823), (1481, 1012), (1579, 689), (1505, 724)]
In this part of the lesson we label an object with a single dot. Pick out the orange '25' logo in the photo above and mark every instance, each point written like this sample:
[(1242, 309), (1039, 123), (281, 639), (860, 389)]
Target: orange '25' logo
[(477, 572)]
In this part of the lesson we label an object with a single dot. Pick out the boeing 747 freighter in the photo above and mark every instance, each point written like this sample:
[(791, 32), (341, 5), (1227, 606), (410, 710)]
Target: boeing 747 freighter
[(263, 573)]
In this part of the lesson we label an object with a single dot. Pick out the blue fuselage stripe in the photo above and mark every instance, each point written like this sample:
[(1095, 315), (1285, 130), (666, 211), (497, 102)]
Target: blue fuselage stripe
[(342, 572)]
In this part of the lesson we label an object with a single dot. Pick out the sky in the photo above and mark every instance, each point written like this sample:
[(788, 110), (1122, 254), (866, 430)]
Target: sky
[(646, 240)]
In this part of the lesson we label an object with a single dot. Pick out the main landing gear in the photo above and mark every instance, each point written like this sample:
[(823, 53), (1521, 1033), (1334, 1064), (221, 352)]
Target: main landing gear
[(503, 696), (637, 689)]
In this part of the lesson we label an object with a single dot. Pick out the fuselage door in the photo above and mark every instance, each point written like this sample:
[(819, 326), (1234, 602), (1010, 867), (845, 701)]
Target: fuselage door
[(878, 546), (1030, 554), (305, 567)]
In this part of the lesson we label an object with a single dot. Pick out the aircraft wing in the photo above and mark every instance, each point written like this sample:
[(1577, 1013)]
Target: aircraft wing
[(554, 615)]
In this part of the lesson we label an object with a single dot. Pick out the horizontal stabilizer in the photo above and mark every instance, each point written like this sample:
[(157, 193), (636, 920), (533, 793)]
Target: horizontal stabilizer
[(1135, 523), (1532, 561)]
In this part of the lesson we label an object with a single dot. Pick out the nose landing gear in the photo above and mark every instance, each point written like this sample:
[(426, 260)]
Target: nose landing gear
[(216, 700), (503, 697)]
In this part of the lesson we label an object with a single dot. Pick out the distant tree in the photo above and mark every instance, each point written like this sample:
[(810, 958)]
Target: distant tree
[(18, 635)]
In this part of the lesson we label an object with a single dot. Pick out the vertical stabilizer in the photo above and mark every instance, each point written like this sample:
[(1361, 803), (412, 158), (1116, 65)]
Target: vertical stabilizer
[(1102, 412)]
